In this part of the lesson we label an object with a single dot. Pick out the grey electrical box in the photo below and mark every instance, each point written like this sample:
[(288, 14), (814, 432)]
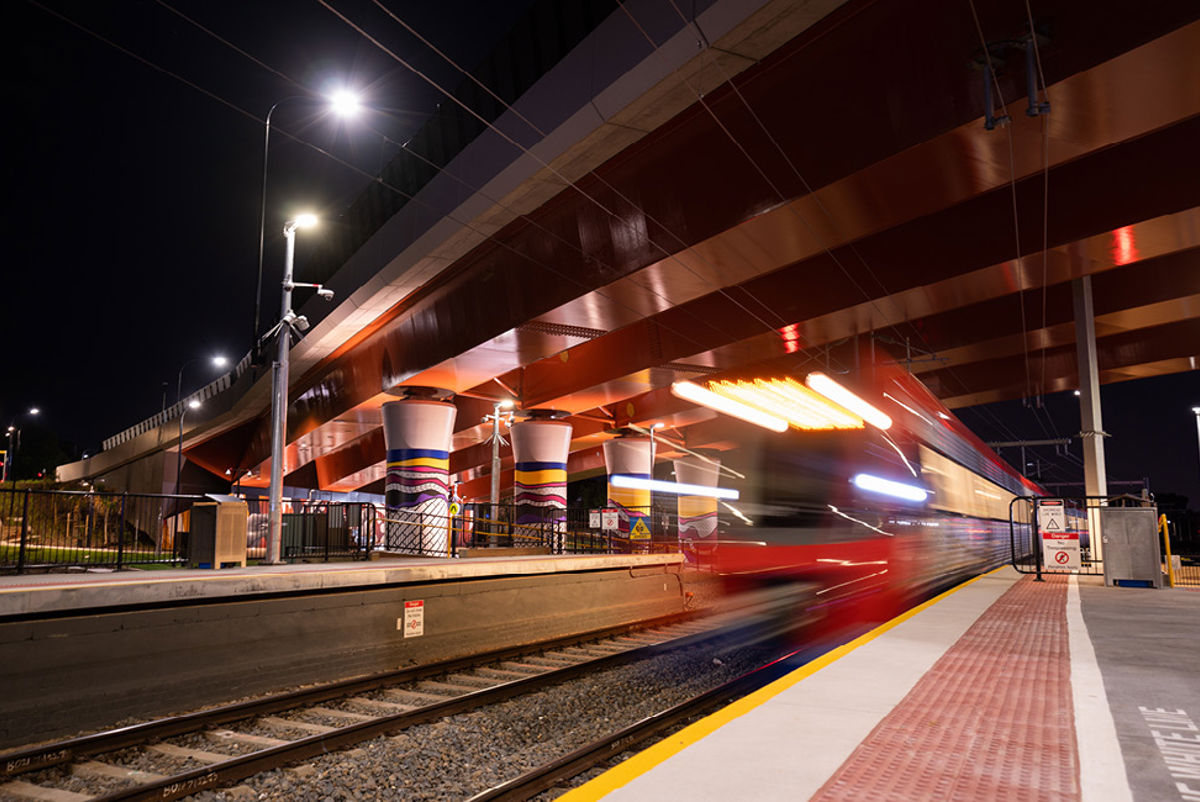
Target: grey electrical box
[(1131, 551)]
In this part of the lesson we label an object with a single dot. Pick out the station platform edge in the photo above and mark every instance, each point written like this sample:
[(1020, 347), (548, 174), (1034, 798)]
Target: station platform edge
[(1001, 688)]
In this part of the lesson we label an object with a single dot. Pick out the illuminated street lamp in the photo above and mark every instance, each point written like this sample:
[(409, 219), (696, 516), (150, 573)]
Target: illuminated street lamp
[(288, 321), (192, 404), (343, 103), (217, 362)]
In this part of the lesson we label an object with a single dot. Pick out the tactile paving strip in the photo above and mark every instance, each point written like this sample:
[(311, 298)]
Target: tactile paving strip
[(992, 720)]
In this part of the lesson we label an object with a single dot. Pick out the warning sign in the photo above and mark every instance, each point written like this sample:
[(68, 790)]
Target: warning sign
[(639, 530), (610, 520), (1052, 516), (593, 519), (414, 619)]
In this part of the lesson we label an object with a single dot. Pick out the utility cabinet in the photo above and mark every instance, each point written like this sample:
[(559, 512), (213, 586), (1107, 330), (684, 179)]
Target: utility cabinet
[(218, 532), (1131, 549)]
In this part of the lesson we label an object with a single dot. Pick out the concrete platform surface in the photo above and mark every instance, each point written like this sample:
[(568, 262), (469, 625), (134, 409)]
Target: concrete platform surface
[(31, 594), (1002, 688)]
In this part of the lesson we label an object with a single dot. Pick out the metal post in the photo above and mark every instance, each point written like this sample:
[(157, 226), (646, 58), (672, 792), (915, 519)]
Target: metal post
[(495, 496), (24, 532), (121, 532), (179, 453), (279, 390), (1092, 428)]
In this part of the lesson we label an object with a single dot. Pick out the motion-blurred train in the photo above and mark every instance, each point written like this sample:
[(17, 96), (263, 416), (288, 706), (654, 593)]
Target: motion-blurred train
[(871, 519)]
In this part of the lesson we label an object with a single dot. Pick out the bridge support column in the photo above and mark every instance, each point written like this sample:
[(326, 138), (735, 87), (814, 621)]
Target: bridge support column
[(630, 456), (1091, 433), (697, 514), (540, 449), (416, 434)]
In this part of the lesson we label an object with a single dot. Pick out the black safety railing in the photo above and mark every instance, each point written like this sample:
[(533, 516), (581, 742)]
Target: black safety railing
[(56, 529), (484, 525), (1054, 534), (1181, 552), (316, 530)]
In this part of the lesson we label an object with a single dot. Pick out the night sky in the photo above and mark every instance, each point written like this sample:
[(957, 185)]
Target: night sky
[(131, 224)]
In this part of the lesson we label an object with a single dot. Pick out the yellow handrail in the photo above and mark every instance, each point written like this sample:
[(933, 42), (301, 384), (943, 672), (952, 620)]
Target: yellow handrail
[(1162, 525)]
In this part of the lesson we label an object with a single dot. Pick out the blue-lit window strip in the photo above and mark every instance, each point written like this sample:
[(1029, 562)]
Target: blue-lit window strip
[(635, 482), (888, 487)]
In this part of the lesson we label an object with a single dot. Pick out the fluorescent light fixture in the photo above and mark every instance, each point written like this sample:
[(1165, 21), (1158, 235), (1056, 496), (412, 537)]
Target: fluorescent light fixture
[(876, 484), (677, 488), (707, 398), (840, 395)]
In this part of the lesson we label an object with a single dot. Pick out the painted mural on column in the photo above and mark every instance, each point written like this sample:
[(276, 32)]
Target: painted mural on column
[(697, 514), (417, 437), (630, 456), (540, 449)]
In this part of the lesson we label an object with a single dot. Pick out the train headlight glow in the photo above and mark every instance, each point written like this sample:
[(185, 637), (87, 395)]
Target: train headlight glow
[(677, 488), (707, 398), (838, 394), (887, 487)]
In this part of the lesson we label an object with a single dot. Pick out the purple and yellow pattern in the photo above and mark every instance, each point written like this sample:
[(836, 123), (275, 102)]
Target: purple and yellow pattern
[(540, 491)]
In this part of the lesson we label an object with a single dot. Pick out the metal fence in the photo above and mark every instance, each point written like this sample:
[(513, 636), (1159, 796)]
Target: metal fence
[(62, 529), (1181, 553), (1056, 534), (316, 530), (42, 529), (484, 525)]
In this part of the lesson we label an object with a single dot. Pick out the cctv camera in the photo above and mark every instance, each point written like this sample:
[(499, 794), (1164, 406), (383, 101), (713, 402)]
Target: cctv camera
[(324, 293), (301, 323)]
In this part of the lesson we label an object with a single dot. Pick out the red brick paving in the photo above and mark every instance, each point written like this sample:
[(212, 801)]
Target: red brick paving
[(992, 720)]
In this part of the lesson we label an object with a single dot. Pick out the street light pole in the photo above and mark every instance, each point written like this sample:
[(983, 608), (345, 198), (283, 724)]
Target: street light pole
[(1196, 412), (279, 386), (344, 104), (217, 362), (193, 404)]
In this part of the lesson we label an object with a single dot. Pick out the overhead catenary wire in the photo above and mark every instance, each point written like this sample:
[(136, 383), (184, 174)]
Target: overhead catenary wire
[(734, 88), (574, 185), (374, 179)]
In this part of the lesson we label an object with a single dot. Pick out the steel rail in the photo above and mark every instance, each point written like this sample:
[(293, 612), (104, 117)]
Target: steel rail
[(241, 766), (534, 782), (46, 755)]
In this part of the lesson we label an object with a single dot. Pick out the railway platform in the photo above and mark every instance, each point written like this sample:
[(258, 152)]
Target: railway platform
[(1001, 689), (50, 593), (87, 649)]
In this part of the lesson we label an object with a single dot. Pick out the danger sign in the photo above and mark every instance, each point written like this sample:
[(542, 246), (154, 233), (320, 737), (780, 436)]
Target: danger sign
[(414, 619), (639, 530), (1052, 516)]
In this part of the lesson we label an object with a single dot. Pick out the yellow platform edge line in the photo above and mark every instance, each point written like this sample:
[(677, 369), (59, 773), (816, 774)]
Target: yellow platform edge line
[(643, 761)]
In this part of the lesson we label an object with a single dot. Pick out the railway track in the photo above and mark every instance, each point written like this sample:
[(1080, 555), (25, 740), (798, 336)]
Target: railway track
[(609, 750), (177, 756)]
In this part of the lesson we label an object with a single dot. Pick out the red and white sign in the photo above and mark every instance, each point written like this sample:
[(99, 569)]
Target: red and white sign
[(610, 520), (1060, 548), (414, 618)]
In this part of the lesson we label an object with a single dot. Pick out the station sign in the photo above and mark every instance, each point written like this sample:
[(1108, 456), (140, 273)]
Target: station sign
[(1060, 546), (610, 519)]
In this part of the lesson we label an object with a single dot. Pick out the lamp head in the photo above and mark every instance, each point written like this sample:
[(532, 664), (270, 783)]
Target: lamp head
[(345, 103), (1196, 410), (194, 403), (305, 220), (219, 361)]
